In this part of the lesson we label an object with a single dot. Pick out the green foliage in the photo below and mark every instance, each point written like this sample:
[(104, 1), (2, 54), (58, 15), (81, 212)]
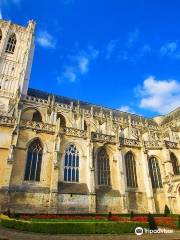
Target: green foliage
[(152, 223), (178, 222), (131, 214), (66, 220), (166, 210), (73, 227)]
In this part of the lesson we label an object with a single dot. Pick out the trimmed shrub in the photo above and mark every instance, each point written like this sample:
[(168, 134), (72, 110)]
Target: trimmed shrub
[(73, 227), (178, 222), (152, 223), (131, 215), (166, 210)]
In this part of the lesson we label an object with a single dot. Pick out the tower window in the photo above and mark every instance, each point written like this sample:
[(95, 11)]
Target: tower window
[(11, 44), (71, 164), (33, 163), (131, 175)]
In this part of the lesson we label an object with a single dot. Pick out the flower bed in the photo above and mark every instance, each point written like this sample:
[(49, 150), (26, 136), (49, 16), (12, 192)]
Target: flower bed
[(140, 219), (108, 227), (63, 217), (167, 221), (119, 219), (43, 217)]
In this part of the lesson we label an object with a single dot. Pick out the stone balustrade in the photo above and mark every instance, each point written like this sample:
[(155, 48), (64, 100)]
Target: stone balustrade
[(73, 132), (99, 137), (171, 145), (153, 145), (38, 126), (35, 100), (129, 142), (64, 106), (8, 121), (152, 127)]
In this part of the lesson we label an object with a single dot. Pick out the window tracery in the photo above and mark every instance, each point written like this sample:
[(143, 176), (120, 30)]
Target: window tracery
[(71, 164), (11, 44), (34, 160)]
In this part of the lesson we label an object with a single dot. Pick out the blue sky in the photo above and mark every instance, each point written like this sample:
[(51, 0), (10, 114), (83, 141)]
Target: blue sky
[(123, 54)]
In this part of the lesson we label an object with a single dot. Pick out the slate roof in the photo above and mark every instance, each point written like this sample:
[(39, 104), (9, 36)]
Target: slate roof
[(66, 100)]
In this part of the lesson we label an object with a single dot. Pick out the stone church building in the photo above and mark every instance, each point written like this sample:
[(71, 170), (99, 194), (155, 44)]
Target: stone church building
[(60, 155)]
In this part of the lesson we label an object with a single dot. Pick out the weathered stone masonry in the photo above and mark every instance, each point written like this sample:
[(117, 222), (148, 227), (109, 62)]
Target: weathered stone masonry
[(60, 155)]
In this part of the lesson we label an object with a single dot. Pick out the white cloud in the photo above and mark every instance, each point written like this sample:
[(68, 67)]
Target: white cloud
[(78, 64), (126, 108), (110, 48), (170, 49), (161, 96), (83, 64), (136, 55), (46, 40), (70, 74), (145, 49), (133, 37)]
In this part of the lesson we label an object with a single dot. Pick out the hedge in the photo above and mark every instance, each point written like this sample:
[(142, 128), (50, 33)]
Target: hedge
[(73, 227)]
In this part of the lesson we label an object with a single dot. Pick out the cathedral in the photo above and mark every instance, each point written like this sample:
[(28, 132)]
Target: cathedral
[(61, 155)]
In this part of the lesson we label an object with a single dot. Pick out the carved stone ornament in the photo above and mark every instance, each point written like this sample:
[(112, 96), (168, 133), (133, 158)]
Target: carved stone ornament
[(11, 154), (2, 106)]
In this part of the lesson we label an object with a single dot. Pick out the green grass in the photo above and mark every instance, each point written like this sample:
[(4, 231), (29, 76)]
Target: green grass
[(67, 220), (70, 227)]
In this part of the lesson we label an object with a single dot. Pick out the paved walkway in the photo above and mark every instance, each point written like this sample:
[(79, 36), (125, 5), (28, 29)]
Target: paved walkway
[(10, 234)]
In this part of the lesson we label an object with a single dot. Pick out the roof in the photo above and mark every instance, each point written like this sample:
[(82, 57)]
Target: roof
[(86, 105), (171, 116)]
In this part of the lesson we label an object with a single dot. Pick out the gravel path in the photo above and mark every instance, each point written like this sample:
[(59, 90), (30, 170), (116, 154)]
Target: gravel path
[(10, 234)]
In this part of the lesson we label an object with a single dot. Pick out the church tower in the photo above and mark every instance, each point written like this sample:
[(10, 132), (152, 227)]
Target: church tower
[(16, 55)]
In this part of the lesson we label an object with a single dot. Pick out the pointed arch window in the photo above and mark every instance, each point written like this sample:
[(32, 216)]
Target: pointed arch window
[(0, 35), (37, 117), (71, 164), (175, 165), (85, 126), (103, 168), (11, 44), (131, 175), (62, 120), (154, 172), (34, 160)]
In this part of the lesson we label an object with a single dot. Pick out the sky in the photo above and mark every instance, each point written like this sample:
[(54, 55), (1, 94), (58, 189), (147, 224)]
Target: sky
[(123, 54)]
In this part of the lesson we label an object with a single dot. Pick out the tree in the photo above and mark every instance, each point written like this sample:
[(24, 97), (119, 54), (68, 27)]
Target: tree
[(166, 210), (152, 223)]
